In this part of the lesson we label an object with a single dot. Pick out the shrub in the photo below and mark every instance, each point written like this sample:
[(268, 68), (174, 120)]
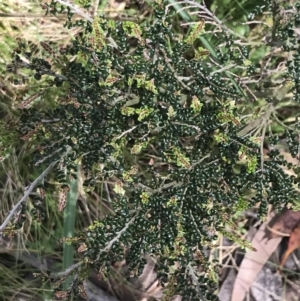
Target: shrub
[(169, 124)]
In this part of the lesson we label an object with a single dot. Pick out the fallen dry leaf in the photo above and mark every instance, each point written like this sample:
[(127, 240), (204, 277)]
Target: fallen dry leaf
[(282, 223), (253, 262), (266, 240), (294, 243)]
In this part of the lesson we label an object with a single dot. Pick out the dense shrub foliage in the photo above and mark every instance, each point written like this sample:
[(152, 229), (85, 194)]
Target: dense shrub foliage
[(165, 121)]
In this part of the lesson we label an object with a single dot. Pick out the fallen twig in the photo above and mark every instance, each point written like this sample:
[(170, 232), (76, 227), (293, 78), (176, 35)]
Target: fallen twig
[(27, 193)]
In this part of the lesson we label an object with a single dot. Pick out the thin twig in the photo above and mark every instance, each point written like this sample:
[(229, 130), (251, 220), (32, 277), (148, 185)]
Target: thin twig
[(167, 61), (166, 186), (68, 271), (262, 148), (126, 132), (210, 14), (27, 193), (108, 246), (107, 191), (195, 280), (85, 16), (188, 125), (283, 124), (76, 10), (201, 160), (117, 237), (45, 158)]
